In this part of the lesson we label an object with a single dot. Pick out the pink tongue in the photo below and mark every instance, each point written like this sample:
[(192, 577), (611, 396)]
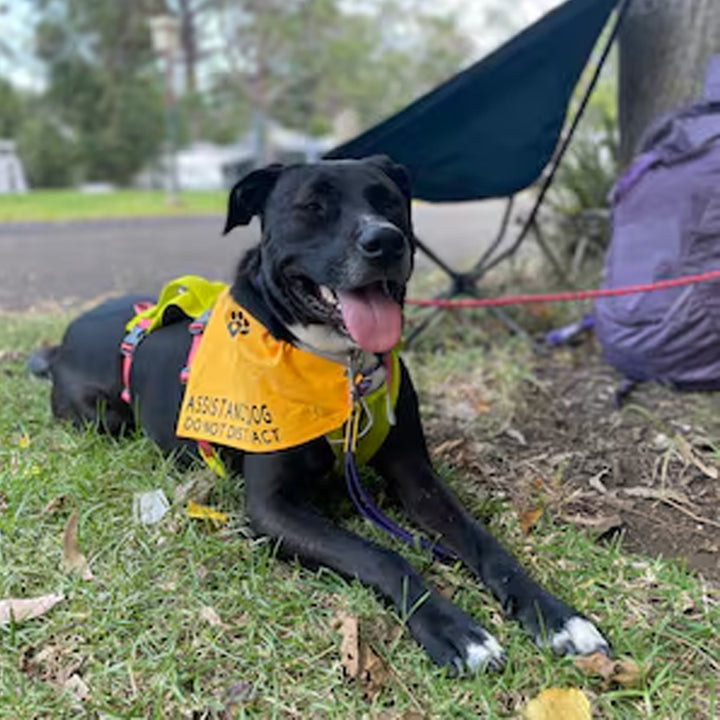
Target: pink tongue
[(373, 320)]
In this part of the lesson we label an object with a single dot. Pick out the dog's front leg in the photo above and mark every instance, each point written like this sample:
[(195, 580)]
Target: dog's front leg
[(274, 487), (404, 461)]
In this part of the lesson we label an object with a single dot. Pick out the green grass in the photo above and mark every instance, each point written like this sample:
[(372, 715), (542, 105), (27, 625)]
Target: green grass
[(136, 635), (63, 205)]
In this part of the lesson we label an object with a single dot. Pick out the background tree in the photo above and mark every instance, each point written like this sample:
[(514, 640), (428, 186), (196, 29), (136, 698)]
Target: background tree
[(12, 107), (664, 48), (102, 87), (303, 61)]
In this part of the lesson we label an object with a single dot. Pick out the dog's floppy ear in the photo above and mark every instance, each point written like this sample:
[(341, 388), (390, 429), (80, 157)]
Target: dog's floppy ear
[(248, 195), (397, 173)]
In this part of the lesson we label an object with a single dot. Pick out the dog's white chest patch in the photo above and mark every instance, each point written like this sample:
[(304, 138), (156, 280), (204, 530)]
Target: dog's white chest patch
[(322, 338)]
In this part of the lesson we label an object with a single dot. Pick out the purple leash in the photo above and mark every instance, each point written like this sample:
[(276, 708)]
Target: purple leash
[(360, 497), (369, 510)]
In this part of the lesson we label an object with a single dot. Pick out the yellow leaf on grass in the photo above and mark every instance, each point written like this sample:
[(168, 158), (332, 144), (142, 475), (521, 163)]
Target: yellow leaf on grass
[(73, 559), (17, 609), (559, 704), (203, 512), (529, 518), (24, 441), (483, 406)]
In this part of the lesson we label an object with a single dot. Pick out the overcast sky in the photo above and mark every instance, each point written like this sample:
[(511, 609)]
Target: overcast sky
[(16, 29)]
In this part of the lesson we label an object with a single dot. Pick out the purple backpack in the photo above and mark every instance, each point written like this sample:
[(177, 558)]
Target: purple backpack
[(665, 224)]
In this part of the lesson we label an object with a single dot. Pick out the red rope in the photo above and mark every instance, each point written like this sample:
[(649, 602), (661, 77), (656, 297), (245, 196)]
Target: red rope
[(570, 295)]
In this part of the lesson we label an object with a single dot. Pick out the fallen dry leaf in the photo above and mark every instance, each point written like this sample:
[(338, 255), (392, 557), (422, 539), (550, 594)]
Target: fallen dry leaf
[(529, 519), (516, 435), (624, 672), (350, 645), (17, 609), (198, 486), (211, 617), (204, 512), (373, 672), (691, 457), (73, 559), (4, 502), (238, 694), (12, 356), (359, 661), (599, 524), (448, 446), (54, 505), (559, 704), (60, 665), (652, 493), (483, 406), (77, 687)]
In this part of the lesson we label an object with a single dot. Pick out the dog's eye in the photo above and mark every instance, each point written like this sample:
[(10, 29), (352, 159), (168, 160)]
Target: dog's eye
[(313, 207)]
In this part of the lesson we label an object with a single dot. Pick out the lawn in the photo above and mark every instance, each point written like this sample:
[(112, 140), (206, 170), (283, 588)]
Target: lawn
[(64, 205), (190, 619)]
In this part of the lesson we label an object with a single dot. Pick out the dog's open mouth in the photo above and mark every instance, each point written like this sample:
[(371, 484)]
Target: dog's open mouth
[(371, 314)]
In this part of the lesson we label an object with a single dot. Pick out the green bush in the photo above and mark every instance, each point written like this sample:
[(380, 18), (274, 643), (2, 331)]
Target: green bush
[(49, 155), (578, 199)]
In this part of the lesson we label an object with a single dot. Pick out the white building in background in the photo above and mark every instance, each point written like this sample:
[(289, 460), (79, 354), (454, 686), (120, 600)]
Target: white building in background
[(12, 176), (207, 166)]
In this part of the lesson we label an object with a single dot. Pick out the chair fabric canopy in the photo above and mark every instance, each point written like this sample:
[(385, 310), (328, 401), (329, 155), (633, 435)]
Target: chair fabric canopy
[(490, 130)]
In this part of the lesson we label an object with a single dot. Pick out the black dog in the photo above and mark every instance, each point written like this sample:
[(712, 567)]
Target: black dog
[(329, 275)]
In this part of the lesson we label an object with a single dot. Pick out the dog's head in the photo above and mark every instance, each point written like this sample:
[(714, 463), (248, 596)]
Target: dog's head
[(337, 246)]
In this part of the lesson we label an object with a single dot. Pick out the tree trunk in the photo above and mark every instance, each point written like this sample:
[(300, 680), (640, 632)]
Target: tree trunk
[(665, 46), (188, 42)]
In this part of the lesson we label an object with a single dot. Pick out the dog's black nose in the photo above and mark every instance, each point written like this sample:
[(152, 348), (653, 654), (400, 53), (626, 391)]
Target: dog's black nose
[(382, 242)]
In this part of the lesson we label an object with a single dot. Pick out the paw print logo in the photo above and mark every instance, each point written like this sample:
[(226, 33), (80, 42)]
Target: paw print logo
[(237, 324)]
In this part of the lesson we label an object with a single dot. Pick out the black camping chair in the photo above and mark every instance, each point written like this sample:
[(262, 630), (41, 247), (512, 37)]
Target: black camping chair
[(491, 130)]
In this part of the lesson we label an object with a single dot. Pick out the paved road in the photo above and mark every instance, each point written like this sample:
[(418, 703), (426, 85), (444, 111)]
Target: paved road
[(51, 264)]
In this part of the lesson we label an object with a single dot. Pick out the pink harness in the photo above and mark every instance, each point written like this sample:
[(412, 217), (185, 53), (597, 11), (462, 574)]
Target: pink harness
[(133, 339)]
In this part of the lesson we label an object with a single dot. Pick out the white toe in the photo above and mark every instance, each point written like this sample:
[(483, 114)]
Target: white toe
[(578, 637), (479, 655)]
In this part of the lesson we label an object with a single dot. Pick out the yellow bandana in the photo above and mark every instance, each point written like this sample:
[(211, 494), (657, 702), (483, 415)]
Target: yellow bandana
[(252, 392)]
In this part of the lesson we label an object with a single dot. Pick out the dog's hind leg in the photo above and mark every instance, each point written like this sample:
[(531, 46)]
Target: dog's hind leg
[(404, 462), (87, 404), (449, 636)]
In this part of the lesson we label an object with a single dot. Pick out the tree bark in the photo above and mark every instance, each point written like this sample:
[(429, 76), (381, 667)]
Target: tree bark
[(188, 42), (665, 46)]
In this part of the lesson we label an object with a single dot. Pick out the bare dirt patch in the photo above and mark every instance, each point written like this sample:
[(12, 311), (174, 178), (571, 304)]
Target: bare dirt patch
[(648, 472)]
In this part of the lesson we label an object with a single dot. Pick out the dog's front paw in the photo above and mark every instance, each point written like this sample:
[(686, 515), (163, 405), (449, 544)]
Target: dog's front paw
[(556, 625), (454, 640), (577, 636)]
